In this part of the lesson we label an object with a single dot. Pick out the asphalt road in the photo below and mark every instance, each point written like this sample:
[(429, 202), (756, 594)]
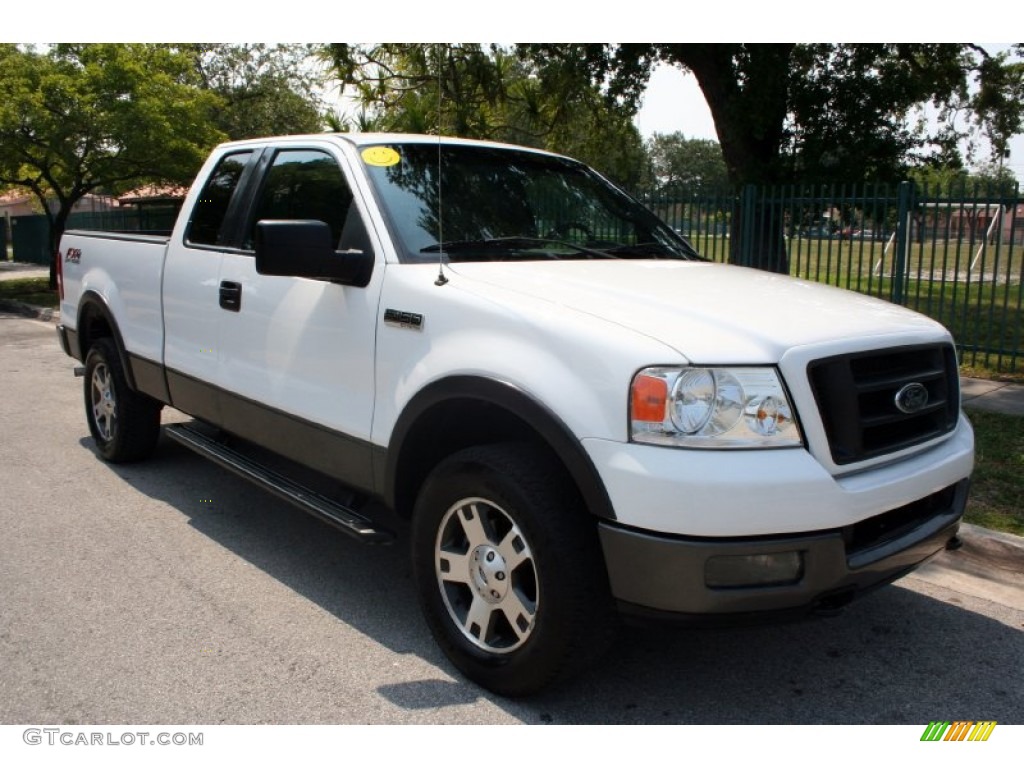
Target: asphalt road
[(172, 592)]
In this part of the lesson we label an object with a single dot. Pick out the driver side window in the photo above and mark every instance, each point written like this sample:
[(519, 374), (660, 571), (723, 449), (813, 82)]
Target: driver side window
[(309, 184)]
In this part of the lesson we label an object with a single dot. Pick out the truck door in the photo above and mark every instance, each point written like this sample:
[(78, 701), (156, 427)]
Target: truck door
[(295, 362), (191, 294)]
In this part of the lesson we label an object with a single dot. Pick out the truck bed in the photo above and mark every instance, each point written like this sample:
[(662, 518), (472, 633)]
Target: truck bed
[(90, 259)]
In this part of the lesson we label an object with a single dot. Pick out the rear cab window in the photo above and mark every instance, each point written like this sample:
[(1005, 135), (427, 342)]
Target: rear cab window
[(210, 223)]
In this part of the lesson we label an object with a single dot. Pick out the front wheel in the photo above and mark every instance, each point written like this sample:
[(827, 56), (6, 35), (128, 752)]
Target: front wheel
[(125, 424), (508, 569)]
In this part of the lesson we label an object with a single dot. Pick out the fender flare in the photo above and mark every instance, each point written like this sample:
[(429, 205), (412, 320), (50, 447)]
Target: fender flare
[(92, 302), (538, 417)]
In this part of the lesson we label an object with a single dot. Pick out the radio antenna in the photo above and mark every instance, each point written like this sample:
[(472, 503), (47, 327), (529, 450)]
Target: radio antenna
[(441, 279)]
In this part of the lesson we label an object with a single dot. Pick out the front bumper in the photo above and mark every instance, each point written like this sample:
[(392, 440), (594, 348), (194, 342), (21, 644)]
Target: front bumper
[(746, 493), (664, 576)]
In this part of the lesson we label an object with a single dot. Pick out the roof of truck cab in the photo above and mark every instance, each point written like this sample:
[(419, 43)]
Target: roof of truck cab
[(370, 139)]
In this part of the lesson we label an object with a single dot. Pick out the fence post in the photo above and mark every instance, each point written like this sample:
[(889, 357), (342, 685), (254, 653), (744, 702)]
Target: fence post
[(904, 205), (745, 249)]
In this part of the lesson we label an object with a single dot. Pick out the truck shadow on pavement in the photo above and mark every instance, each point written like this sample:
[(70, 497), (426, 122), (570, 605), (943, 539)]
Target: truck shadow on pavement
[(896, 656)]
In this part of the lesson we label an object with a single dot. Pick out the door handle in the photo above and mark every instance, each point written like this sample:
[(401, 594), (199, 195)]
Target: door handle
[(230, 295)]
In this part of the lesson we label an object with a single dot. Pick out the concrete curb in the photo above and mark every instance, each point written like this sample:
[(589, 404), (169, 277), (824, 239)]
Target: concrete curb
[(989, 566), (46, 314), (994, 396)]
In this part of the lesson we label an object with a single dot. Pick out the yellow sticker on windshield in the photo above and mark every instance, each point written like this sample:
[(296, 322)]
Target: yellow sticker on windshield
[(382, 156)]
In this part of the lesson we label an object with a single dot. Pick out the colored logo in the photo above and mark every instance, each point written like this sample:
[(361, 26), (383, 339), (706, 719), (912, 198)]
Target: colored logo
[(912, 398), (960, 730), (74, 255)]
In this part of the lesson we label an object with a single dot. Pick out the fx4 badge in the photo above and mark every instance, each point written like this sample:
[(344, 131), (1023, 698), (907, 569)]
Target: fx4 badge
[(74, 255)]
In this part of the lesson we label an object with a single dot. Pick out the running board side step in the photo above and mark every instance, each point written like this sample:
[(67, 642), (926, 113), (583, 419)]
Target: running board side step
[(307, 500)]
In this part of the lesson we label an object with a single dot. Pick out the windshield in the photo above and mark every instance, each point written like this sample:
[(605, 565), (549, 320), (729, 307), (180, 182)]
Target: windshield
[(506, 204)]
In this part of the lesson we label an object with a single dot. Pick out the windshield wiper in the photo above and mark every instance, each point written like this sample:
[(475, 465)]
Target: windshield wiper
[(653, 249), (512, 244)]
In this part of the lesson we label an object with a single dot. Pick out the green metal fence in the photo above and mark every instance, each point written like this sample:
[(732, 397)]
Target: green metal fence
[(31, 234), (957, 256), (147, 219), (30, 239)]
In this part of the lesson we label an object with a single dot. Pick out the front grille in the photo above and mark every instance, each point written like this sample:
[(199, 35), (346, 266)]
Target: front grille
[(857, 399)]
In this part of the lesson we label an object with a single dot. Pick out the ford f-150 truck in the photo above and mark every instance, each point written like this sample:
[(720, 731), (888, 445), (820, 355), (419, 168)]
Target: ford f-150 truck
[(495, 350)]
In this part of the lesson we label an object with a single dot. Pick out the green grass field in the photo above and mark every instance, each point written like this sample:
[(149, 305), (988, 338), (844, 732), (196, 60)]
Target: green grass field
[(997, 486)]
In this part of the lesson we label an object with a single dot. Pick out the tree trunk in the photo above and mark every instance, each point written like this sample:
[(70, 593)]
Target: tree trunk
[(58, 223), (746, 87)]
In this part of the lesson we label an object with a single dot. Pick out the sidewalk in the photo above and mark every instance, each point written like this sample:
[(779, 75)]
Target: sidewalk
[(989, 566), (995, 396), (14, 270)]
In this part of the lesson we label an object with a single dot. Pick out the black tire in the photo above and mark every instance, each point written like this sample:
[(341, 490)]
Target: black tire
[(125, 424), (509, 569)]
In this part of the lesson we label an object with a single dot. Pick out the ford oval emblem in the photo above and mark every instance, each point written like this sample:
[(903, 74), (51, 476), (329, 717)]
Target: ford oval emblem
[(912, 398)]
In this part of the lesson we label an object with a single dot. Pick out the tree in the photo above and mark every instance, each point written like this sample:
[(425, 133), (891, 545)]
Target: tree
[(941, 180), (989, 180), (999, 103), (265, 90), (422, 88), (77, 118), (995, 178), (677, 161), (486, 92), (816, 112)]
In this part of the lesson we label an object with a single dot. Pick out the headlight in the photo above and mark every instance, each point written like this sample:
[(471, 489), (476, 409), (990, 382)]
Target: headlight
[(712, 408)]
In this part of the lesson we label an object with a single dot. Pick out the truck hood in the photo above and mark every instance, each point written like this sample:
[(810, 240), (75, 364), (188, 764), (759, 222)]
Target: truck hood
[(709, 313)]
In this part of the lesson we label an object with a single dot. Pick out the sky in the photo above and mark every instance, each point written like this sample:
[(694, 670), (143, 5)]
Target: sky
[(673, 102)]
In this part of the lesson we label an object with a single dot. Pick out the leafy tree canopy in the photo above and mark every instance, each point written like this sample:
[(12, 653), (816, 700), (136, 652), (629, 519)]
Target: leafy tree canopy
[(80, 117), (677, 161), (265, 90), (990, 179), (821, 112), (76, 118), (487, 92)]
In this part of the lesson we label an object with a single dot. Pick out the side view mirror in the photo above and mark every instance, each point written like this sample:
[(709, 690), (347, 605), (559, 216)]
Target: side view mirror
[(305, 248)]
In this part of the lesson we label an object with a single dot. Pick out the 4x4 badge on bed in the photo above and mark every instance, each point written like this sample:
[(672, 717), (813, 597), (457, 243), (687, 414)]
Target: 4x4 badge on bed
[(912, 398)]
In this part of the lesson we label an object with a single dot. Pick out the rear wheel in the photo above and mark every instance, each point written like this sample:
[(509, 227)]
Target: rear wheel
[(508, 568), (125, 424)]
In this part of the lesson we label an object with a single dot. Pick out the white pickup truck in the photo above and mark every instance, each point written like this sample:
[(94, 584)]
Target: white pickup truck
[(492, 348)]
